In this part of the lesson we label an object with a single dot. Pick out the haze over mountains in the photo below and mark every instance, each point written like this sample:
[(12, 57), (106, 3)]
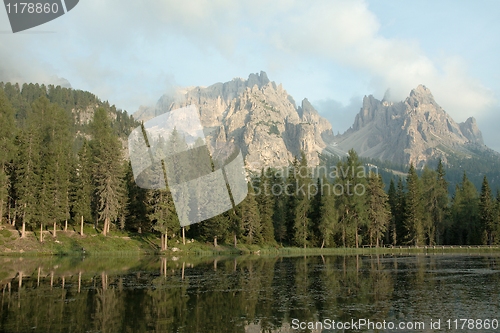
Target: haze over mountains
[(270, 128)]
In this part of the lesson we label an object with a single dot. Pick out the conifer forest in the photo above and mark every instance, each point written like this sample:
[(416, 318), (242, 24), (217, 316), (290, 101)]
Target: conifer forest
[(63, 164)]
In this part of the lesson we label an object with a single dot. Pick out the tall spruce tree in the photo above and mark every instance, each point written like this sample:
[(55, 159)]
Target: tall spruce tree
[(27, 165), (7, 150), (250, 218), (290, 196), (163, 215), (486, 213), (391, 193), (107, 170), (301, 221), (55, 162), (465, 225), (82, 187), (351, 181), (378, 209), (265, 203), (138, 197), (328, 215), (277, 189), (440, 208), (414, 209)]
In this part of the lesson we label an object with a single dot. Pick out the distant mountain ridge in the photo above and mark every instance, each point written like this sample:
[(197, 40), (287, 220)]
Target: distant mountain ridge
[(257, 115), (416, 130)]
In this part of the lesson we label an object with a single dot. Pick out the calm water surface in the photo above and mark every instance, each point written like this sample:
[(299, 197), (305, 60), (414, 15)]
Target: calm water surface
[(245, 294)]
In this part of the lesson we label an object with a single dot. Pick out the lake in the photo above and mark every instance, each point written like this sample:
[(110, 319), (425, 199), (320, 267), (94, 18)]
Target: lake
[(377, 293)]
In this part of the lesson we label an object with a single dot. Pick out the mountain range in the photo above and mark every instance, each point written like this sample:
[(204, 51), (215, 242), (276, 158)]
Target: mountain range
[(270, 128), (256, 114), (416, 130)]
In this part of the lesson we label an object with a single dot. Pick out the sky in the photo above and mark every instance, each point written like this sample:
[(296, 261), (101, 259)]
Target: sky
[(332, 52)]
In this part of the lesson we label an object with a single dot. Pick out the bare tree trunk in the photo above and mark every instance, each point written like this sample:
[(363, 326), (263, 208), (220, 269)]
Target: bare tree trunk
[(20, 280), (41, 232), (183, 265), (55, 229), (79, 281), (235, 239), (183, 236), (23, 230), (357, 237), (105, 227), (215, 241), (66, 225), (81, 226), (166, 240), (23, 233), (323, 243)]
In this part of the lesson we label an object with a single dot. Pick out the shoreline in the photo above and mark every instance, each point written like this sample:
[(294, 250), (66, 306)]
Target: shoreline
[(70, 243)]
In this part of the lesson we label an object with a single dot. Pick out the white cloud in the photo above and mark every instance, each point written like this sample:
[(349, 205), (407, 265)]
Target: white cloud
[(112, 47), (348, 33)]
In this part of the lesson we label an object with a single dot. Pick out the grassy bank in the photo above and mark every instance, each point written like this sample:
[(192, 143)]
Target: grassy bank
[(122, 243), (72, 243)]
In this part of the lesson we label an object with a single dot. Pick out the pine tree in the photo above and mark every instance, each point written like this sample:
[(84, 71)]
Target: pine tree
[(277, 187), (465, 226), (290, 197), (7, 150), (250, 218), (328, 215), (302, 223), (163, 215), (486, 212), (55, 162), (107, 170), (496, 234), (414, 209), (350, 203), (399, 217), (81, 204), (265, 203), (440, 206), (378, 209), (27, 163), (392, 200), (138, 204), (428, 186), (315, 214)]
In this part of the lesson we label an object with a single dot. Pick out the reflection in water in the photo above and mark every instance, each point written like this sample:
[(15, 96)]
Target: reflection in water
[(242, 294)]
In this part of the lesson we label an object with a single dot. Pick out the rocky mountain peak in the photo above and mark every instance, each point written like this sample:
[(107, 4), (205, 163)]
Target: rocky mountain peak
[(421, 95), (258, 116), (257, 79), (415, 130), (471, 131)]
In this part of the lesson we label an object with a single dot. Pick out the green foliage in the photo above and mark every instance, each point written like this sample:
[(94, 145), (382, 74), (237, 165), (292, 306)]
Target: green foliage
[(7, 150), (351, 206), (107, 171), (61, 155), (414, 209), (378, 209)]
